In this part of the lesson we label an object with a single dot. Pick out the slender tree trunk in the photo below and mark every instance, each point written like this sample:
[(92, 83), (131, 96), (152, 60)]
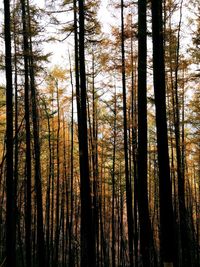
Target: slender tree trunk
[(113, 184), (134, 152), (173, 176), (10, 195), (52, 187), (48, 198), (77, 85), (16, 143), (104, 259), (66, 191), (128, 183), (197, 200), (71, 225), (38, 186), (28, 137), (95, 163), (184, 231), (87, 239), (57, 230)]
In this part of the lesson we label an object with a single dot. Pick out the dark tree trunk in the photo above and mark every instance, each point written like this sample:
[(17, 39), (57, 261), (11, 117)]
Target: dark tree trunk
[(113, 183), (48, 198), (134, 152), (52, 190), (28, 136), (184, 230), (16, 143), (77, 85), (145, 226), (10, 190), (57, 230), (71, 225), (166, 211), (38, 186), (87, 239), (95, 164), (128, 182)]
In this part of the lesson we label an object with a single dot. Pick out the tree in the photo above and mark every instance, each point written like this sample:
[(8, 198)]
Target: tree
[(10, 191), (165, 191), (113, 182), (128, 182), (87, 239), (144, 220), (28, 135), (35, 118)]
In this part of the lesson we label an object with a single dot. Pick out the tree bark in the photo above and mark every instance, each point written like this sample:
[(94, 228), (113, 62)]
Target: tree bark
[(113, 183), (128, 182), (10, 195), (28, 136), (71, 225), (87, 239), (57, 230), (184, 231), (38, 186), (145, 225), (166, 211)]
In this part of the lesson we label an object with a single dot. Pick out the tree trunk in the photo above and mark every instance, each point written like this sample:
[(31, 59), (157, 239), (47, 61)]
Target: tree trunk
[(87, 239), (10, 195), (184, 231), (48, 198), (57, 230), (113, 183), (166, 211), (128, 183), (28, 136), (145, 225), (38, 186), (71, 225)]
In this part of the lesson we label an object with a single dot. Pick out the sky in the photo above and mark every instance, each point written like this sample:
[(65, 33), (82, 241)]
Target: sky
[(60, 50)]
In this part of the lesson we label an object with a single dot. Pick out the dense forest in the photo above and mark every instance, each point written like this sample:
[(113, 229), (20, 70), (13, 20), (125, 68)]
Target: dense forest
[(100, 133)]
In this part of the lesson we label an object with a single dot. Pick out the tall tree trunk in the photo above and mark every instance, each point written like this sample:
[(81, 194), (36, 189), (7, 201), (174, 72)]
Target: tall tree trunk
[(145, 225), (87, 239), (134, 151), (71, 225), (48, 198), (57, 230), (166, 211), (93, 128), (184, 231), (128, 182), (16, 143), (113, 183), (28, 137), (77, 85), (134, 147), (66, 190), (10, 195), (52, 187), (38, 186)]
